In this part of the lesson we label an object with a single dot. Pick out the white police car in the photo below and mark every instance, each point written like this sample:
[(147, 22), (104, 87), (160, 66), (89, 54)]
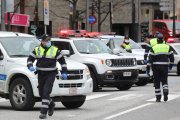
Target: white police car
[(19, 85)]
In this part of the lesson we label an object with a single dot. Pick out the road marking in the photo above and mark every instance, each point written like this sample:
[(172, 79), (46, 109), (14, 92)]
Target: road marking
[(126, 97), (127, 111), (170, 97), (90, 97), (3, 100)]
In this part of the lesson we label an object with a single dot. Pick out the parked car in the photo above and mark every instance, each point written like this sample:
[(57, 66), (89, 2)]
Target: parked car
[(166, 28), (176, 50), (19, 85), (106, 68), (137, 52)]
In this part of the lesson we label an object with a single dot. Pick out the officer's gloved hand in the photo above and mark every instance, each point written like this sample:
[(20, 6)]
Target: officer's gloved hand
[(170, 66), (31, 68), (145, 61), (64, 75)]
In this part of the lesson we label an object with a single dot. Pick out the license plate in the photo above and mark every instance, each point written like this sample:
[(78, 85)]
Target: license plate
[(126, 73), (72, 91)]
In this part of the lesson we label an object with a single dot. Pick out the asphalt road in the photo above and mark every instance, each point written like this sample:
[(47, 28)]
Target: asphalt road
[(138, 103)]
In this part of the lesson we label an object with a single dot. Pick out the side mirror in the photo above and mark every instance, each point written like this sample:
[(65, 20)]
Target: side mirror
[(1, 55), (116, 51), (65, 52)]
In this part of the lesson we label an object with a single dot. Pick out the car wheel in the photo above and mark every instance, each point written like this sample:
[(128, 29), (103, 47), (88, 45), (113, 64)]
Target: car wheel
[(178, 69), (142, 82), (95, 83), (124, 87), (21, 95), (73, 104)]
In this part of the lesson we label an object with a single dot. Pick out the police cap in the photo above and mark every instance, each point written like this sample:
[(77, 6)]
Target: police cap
[(126, 37), (45, 37), (160, 36)]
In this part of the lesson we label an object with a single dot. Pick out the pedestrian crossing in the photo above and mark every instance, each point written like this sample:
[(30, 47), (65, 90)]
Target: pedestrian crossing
[(119, 97)]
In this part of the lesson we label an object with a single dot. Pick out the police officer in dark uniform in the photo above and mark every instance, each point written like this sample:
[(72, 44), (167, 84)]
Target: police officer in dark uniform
[(126, 45), (46, 56), (161, 57)]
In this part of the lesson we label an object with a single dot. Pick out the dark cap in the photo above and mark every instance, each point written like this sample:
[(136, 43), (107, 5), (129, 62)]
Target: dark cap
[(126, 37), (45, 37), (160, 36), (157, 32)]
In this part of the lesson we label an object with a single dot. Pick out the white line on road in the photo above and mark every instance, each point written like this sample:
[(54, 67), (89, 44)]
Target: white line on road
[(170, 97), (127, 111), (126, 97), (90, 97)]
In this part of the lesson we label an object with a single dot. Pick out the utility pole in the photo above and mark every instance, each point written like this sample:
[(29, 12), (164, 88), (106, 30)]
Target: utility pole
[(133, 20), (174, 23), (87, 15), (3, 8), (110, 11), (99, 15), (139, 21)]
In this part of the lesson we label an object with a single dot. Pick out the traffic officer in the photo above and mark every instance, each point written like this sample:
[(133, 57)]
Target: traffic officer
[(46, 56), (161, 56), (126, 45), (151, 43)]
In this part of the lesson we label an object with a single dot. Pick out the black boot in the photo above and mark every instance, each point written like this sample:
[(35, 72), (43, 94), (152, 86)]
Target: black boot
[(165, 98), (158, 100), (42, 116), (51, 108)]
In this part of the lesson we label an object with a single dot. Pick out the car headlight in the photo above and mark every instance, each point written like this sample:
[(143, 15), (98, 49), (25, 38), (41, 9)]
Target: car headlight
[(109, 63), (87, 72)]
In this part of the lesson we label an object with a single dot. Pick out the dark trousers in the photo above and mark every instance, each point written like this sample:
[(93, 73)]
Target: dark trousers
[(45, 85), (160, 73)]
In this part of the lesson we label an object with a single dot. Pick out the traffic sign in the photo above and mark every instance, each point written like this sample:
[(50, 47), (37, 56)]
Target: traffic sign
[(46, 12), (166, 8), (18, 19), (92, 19)]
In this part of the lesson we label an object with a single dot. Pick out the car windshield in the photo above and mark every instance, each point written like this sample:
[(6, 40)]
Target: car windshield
[(170, 25), (19, 46), (112, 46), (93, 46), (177, 47), (119, 41)]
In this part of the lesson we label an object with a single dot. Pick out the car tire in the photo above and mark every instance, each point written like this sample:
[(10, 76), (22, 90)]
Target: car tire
[(95, 83), (178, 69), (21, 94), (73, 104), (124, 87), (142, 82)]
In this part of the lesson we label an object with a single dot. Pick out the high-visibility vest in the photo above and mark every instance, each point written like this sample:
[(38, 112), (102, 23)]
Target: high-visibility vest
[(127, 47), (51, 53), (161, 49), (153, 42)]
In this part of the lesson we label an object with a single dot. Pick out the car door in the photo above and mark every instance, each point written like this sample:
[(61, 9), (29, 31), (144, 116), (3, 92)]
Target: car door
[(3, 76)]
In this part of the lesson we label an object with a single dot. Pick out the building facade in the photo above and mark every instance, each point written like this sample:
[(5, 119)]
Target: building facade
[(126, 15)]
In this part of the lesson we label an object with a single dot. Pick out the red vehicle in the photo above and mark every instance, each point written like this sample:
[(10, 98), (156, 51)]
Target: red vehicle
[(166, 28)]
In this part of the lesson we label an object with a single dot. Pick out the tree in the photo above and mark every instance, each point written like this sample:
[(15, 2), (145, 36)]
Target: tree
[(103, 10), (73, 14)]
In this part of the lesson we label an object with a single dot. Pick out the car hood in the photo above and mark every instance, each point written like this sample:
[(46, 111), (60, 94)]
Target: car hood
[(138, 57), (105, 56), (70, 63), (138, 51)]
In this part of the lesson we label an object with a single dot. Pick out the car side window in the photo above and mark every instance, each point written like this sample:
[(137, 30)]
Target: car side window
[(1, 55), (174, 51), (64, 46)]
